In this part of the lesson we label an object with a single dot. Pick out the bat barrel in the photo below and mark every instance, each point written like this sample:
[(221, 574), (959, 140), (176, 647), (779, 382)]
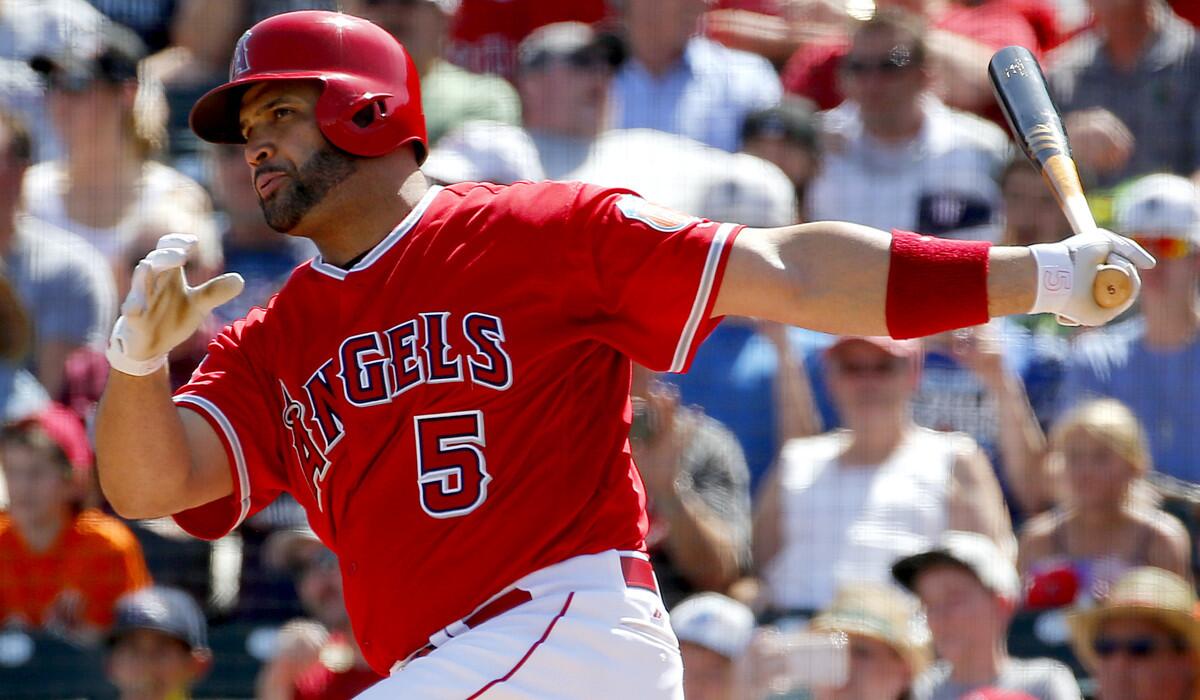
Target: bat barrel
[(1020, 88)]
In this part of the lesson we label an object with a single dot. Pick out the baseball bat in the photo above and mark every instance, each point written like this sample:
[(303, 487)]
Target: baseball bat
[(1021, 91)]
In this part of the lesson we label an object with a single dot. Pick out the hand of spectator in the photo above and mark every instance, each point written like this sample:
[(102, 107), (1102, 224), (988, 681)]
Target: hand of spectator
[(659, 456), (777, 37), (298, 647), (1100, 141), (979, 350)]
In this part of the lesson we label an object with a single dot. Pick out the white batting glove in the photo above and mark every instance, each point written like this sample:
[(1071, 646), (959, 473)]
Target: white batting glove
[(1067, 269), (161, 310)]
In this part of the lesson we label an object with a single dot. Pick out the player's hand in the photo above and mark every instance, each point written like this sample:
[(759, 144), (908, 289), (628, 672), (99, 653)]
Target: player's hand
[(1066, 271), (162, 310)]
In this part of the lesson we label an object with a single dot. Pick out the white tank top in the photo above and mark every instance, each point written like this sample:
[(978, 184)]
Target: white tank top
[(842, 524)]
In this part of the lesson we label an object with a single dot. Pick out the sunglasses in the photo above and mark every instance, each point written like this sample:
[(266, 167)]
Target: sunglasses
[(898, 59), (874, 369), (1135, 647), (1165, 248)]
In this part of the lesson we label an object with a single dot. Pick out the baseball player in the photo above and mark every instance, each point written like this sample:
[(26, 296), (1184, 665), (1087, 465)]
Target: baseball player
[(445, 386)]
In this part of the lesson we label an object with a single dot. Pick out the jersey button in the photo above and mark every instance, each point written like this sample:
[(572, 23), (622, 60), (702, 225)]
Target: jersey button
[(353, 567)]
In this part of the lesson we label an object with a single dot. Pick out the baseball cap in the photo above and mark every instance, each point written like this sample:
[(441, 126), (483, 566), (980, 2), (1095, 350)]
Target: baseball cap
[(881, 613), (793, 120), (64, 429), (573, 41), (113, 58), (292, 549), (163, 609), (970, 550), (484, 151), (715, 622), (1164, 206), (907, 348)]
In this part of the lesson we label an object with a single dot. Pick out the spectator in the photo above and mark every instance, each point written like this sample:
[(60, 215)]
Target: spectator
[(894, 155), (68, 294), (316, 657), (842, 506), (108, 187), (486, 33), (20, 394), (888, 645), (260, 254), (969, 590), (450, 95), (158, 649), (61, 567), (962, 35), (29, 29), (991, 382), (151, 19), (1152, 363), (563, 80), (697, 492), (1103, 527), (1031, 213), (680, 82), (713, 631), (1143, 641), (1129, 89), (785, 135)]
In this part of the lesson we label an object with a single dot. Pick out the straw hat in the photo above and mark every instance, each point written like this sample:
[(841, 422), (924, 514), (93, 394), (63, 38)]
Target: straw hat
[(1146, 592), (881, 613)]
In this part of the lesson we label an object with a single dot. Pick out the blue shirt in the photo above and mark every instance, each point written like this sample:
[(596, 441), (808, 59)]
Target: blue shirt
[(732, 377), (705, 96), (1161, 387)]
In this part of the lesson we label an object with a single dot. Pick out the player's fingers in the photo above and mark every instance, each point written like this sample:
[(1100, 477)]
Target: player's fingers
[(1131, 252), (186, 241), (218, 290), (166, 258), (135, 301)]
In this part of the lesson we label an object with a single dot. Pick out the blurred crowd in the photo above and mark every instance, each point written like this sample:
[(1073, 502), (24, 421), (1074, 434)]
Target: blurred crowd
[(1008, 511)]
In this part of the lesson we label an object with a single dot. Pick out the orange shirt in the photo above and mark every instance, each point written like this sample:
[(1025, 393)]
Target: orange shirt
[(95, 555)]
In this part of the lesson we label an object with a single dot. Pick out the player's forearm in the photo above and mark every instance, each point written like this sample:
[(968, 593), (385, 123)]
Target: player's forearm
[(142, 455), (834, 277)]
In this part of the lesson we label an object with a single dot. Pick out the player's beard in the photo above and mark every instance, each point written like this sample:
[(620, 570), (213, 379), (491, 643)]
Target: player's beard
[(324, 170)]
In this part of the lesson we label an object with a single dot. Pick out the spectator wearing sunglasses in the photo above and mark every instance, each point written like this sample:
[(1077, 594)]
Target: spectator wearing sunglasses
[(894, 155), (1152, 362), (841, 507), (1143, 641)]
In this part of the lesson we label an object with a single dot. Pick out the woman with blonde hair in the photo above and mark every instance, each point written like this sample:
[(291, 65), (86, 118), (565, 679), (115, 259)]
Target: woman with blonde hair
[(1104, 524)]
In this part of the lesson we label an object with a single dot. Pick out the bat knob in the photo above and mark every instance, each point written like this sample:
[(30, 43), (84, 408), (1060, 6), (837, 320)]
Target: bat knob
[(1111, 287)]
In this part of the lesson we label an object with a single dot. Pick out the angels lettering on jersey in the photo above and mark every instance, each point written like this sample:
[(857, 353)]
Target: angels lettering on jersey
[(376, 367)]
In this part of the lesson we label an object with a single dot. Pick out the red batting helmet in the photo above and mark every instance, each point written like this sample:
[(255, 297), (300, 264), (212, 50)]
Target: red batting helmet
[(370, 100)]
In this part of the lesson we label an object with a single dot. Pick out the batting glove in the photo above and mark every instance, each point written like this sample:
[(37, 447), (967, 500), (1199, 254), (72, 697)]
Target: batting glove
[(1067, 269), (161, 310)]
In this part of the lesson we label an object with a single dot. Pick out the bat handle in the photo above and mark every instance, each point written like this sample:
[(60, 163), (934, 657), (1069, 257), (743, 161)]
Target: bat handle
[(1112, 286)]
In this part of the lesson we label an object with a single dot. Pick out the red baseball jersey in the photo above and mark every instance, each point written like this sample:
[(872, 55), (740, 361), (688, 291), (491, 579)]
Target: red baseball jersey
[(453, 410)]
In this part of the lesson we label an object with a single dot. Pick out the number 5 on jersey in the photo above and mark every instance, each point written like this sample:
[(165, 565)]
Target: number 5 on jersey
[(452, 475)]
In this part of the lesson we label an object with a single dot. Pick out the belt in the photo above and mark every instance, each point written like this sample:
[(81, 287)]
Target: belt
[(637, 572)]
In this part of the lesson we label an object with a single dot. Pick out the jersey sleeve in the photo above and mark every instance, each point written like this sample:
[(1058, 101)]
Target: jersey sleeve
[(643, 277), (235, 398)]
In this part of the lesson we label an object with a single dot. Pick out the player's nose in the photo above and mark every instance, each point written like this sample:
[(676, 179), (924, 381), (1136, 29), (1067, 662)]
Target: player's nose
[(258, 150)]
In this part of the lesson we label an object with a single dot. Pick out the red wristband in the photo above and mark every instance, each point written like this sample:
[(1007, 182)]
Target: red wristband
[(935, 284)]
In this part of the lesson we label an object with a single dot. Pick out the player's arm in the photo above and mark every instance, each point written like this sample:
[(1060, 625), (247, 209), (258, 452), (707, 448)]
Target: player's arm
[(836, 277), (155, 459)]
